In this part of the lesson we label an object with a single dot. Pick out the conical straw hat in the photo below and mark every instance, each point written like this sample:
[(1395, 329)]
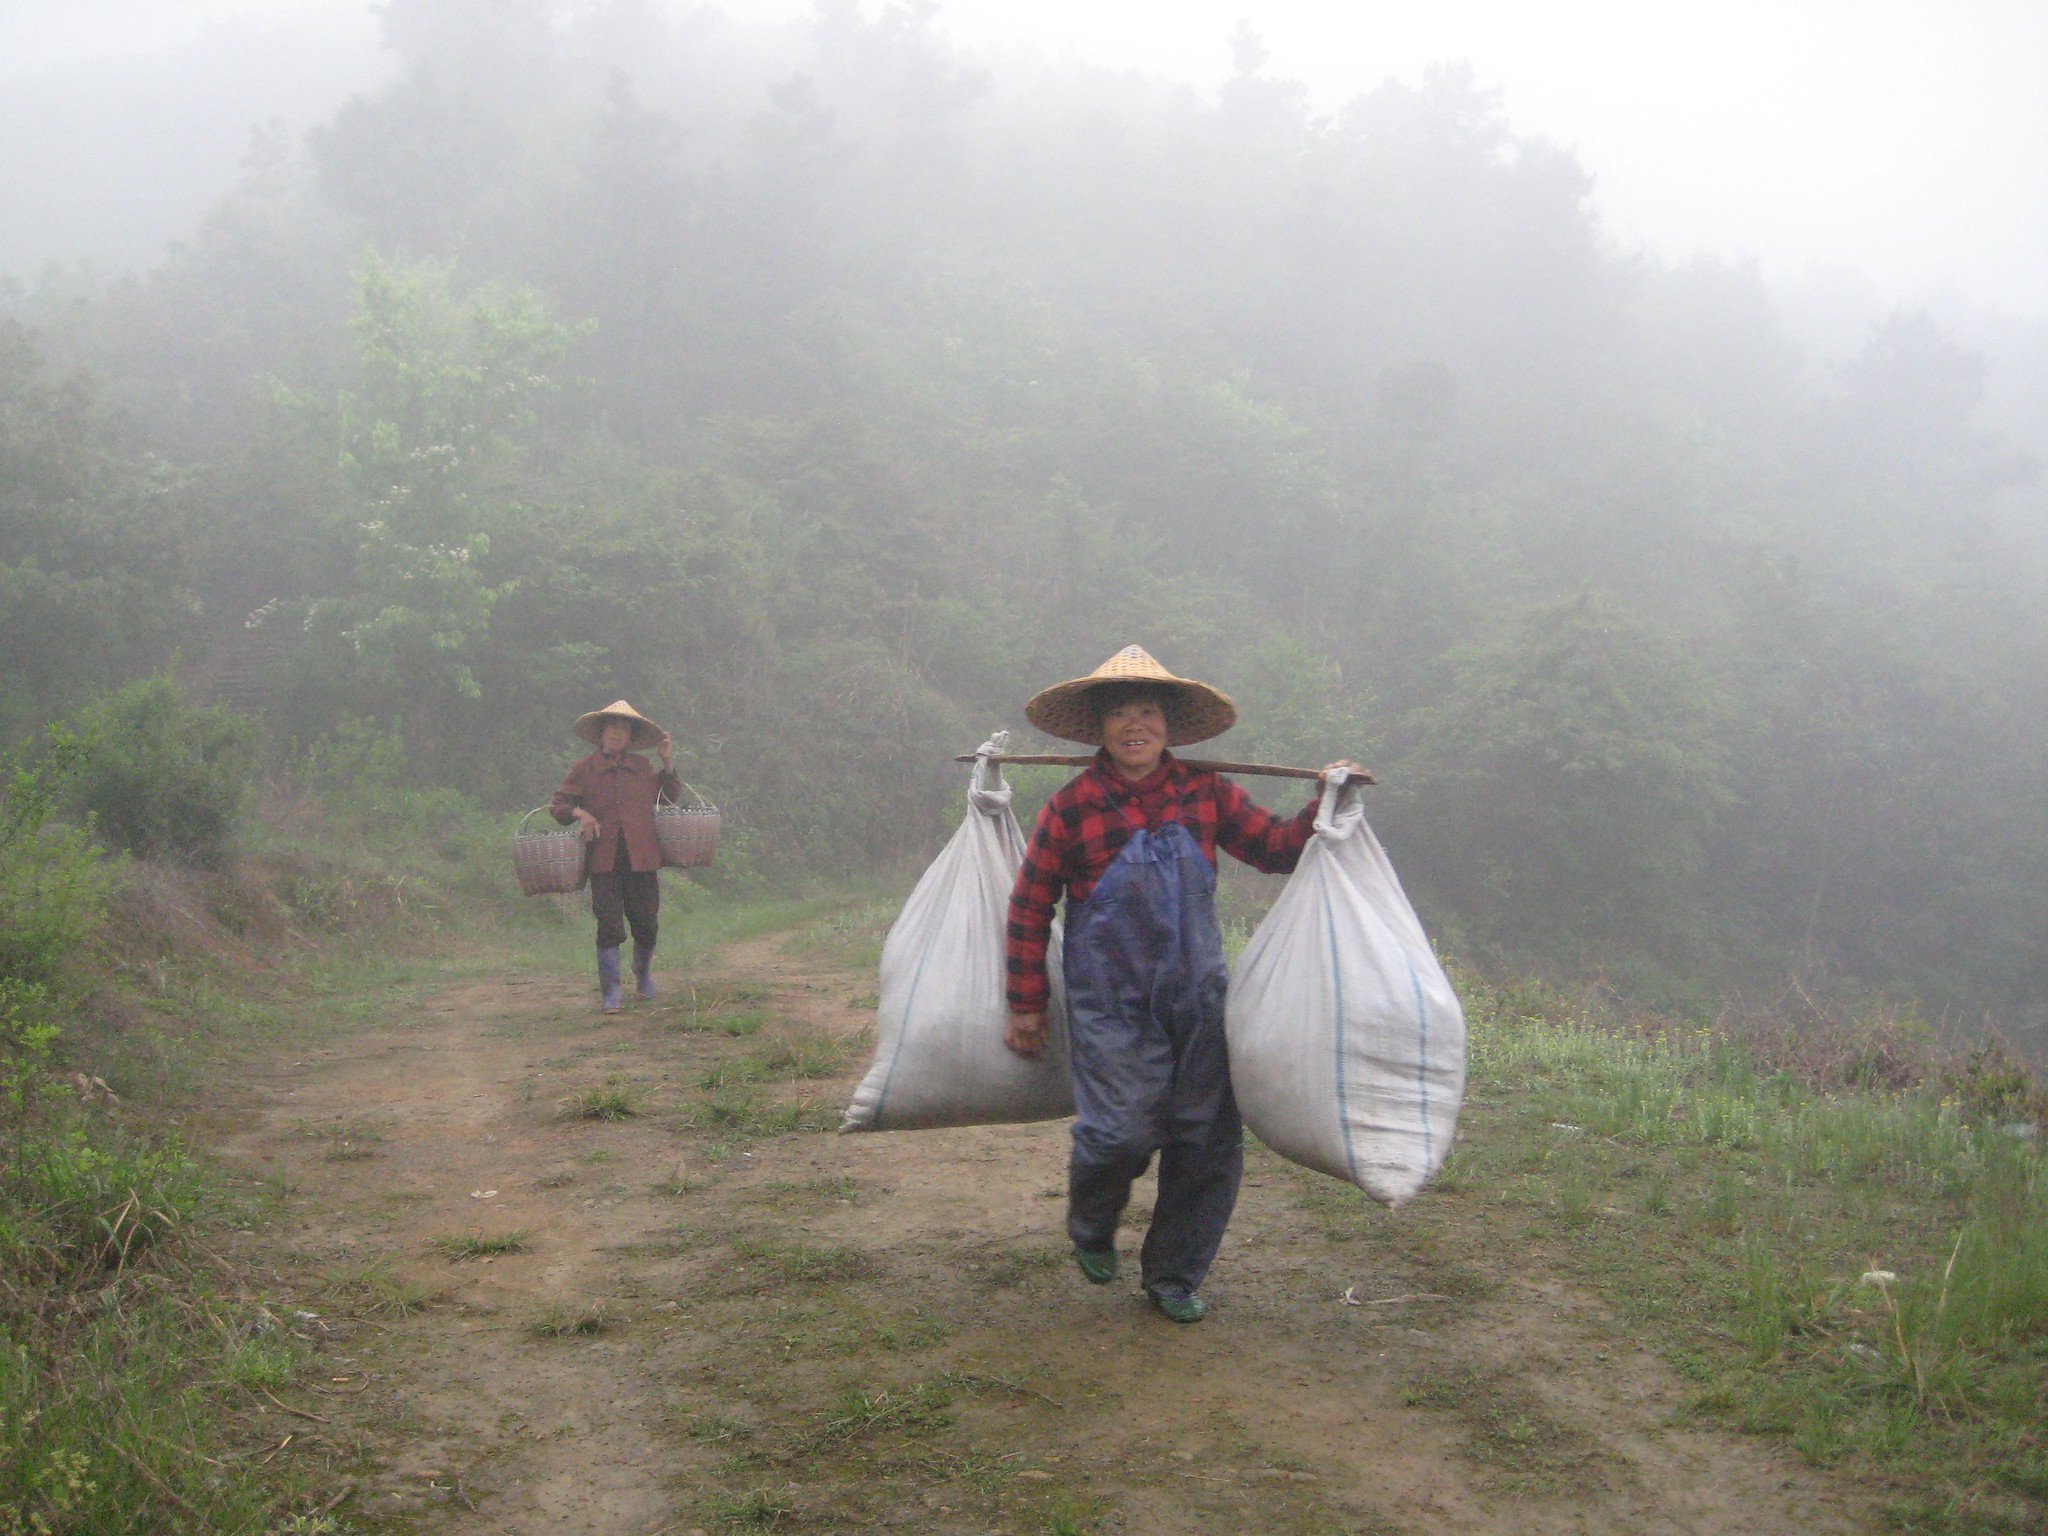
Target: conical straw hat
[(1194, 711), (591, 726)]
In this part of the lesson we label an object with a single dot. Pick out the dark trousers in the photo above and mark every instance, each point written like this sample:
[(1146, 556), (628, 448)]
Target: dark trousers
[(1198, 1184), (621, 897), (1145, 991)]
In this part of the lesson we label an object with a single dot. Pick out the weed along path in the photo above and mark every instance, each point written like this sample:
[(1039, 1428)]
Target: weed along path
[(568, 1274)]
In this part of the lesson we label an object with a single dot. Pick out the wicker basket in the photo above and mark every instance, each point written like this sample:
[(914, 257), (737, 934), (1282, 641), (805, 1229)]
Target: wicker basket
[(688, 833), (549, 863)]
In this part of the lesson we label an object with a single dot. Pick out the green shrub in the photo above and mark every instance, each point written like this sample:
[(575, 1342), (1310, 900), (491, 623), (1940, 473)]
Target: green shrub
[(102, 1198), (117, 1415), (158, 777), (27, 1038), (368, 778), (52, 887)]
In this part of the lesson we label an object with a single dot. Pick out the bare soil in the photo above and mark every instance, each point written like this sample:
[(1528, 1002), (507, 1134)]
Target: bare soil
[(715, 1313)]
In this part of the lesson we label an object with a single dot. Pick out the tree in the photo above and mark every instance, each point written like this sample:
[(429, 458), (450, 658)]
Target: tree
[(1567, 783), (431, 448), (93, 587)]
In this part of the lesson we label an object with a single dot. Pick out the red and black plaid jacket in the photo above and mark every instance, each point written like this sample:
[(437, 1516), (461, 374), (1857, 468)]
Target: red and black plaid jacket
[(1083, 828)]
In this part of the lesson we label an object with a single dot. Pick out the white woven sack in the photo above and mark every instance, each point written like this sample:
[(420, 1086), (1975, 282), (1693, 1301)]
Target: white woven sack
[(1347, 1044), (940, 1058)]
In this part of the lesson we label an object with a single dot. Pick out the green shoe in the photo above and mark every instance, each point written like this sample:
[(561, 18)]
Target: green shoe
[(1182, 1309), (1100, 1268)]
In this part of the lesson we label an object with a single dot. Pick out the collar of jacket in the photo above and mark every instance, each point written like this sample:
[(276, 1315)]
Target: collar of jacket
[(632, 762), (1122, 788)]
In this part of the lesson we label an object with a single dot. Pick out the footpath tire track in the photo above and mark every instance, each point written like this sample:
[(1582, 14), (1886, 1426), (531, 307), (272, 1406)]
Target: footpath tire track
[(717, 1388)]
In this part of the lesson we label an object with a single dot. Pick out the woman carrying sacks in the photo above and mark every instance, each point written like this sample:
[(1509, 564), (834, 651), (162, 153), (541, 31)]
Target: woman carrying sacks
[(1132, 841), (610, 797)]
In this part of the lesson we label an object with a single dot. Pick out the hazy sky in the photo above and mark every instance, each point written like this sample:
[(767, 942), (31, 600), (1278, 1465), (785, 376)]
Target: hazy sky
[(1907, 139)]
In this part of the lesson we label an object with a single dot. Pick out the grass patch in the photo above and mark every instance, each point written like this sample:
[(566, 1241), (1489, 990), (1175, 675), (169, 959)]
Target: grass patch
[(465, 1246), (126, 1354), (714, 1428), (850, 939), (268, 1361), (613, 1101), (375, 1288), (1008, 1270), (807, 1195), (732, 1072), (732, 1022), (761, 1509), (1341, 1212), (1727, 1212), (345, 1142), (795, 1057), (921, 1410), (1522, 1446), (128, 1351), (1862, 1271), (803, 1264), (735, 1009), (787, 1057), (566, 1322), (711, 920), (742, 1112)]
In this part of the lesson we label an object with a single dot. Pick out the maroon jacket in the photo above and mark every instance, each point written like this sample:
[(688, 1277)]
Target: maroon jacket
[(619, 791)]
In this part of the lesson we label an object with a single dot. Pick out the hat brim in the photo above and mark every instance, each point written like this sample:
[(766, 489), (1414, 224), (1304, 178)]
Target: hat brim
[(591, 728), (1194, 711)]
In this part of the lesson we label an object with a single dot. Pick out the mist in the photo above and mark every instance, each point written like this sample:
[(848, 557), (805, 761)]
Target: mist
[(120, 125), (1902, 142), (828, 380)]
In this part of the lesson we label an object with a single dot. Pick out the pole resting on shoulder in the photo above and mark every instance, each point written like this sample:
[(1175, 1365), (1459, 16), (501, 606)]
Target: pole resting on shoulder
[(1200, 765)]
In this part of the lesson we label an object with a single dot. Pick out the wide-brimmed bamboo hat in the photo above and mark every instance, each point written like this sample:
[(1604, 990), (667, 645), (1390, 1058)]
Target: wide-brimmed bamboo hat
[(1194, 711), (591, 726)]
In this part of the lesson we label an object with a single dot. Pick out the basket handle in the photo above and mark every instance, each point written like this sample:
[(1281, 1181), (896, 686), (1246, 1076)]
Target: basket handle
[(528, 817), (663, 796)]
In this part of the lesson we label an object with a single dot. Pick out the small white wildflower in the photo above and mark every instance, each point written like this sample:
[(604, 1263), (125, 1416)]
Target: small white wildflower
[(1560, 1125)]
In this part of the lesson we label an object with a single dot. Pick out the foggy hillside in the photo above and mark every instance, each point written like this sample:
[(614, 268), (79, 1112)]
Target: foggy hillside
[(827, 389)]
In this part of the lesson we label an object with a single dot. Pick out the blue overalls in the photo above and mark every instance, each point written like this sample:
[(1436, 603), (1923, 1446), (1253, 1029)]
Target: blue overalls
[(1145, 986)]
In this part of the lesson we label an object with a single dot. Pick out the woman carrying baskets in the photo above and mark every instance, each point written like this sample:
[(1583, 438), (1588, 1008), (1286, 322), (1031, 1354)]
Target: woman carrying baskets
[(610, 797)]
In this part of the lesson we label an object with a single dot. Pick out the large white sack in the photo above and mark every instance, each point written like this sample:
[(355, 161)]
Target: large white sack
[(939, 1056), (1347, 1044)]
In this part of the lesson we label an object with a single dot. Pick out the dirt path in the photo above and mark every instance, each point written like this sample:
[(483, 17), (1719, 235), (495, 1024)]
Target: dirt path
[(719, 1315)]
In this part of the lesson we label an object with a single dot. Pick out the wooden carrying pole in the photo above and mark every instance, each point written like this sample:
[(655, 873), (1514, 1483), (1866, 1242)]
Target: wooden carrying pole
[(1269, 770)]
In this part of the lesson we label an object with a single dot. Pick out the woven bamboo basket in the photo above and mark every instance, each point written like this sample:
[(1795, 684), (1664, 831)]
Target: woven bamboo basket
[(549, 863), (688, 833)]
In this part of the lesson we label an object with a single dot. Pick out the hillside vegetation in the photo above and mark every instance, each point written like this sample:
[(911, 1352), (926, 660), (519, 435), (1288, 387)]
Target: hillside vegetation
[(826, 391), (1831, 1241)]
